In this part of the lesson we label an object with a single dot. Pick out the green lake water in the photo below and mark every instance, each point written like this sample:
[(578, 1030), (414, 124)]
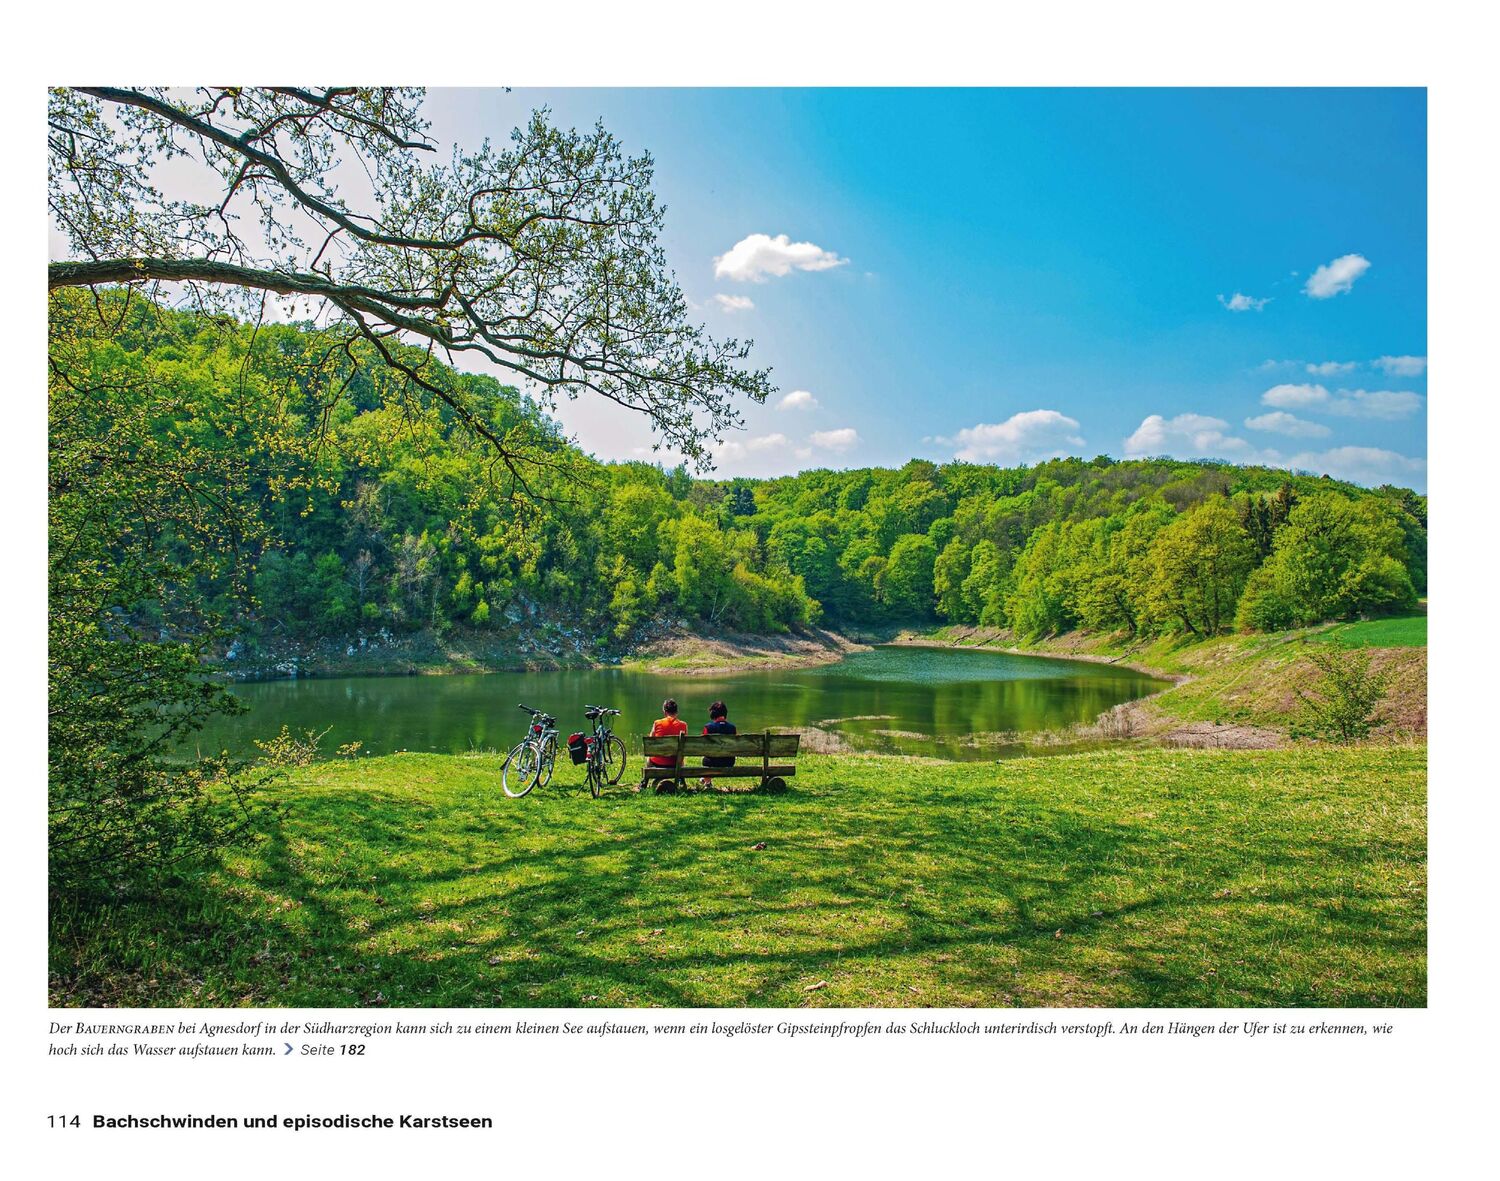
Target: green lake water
[(925, 701)]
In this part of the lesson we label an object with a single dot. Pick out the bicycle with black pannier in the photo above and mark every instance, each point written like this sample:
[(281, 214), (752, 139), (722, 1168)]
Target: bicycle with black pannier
[(602, 753)]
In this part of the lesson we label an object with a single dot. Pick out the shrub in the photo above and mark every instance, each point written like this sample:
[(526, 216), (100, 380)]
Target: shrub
[(1344, 703), (292, 750)]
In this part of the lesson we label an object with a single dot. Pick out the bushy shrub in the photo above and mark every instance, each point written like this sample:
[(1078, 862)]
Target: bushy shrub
[(1343, 704), (292, 750)]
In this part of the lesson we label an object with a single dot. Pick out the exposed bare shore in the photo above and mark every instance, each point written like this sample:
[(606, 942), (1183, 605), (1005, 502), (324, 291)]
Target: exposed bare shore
[(689, 653), (1063, 647), (1142, 719), (532, 647)]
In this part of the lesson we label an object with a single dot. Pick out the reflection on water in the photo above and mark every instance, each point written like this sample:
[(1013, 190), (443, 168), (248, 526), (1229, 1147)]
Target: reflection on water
[(906, 700)]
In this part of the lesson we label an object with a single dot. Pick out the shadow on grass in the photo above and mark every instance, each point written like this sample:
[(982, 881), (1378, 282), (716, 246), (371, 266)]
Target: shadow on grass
[(868, 891)]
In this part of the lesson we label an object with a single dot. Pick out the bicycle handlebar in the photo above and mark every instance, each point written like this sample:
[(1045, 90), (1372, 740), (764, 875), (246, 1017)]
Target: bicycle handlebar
[(597, 708)]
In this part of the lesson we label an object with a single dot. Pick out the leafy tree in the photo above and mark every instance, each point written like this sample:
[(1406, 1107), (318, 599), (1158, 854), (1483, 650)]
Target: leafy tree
[(138, 515), (1037, 605), (629, 601), (740, 499), (413, 580), (1198, 567), (949, 570), (541, 257), (906, 581), (1263, 515), (333, 601), (637, 513), (1110, 592), (702, 569), (1335, 558), (985, 589)]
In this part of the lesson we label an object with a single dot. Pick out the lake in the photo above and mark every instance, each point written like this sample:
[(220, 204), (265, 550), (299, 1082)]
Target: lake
[(893, 699)]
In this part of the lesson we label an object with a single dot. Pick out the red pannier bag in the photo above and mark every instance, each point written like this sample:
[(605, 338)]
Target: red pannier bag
[(577, 750)]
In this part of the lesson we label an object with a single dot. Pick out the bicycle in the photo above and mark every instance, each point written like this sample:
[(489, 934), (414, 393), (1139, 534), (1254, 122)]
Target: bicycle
[(604, 751), (531, 761)]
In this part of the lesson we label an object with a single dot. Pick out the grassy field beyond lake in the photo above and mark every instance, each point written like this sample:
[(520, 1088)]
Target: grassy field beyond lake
[(1122, 877)]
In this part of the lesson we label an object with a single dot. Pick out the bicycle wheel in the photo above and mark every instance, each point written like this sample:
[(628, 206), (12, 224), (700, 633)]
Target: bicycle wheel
[(614, 758), (548, 761), (595, 776), (519, 775)]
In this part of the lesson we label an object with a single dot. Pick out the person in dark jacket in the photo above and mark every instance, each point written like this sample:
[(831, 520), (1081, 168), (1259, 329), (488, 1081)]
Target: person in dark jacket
[(718, 723)]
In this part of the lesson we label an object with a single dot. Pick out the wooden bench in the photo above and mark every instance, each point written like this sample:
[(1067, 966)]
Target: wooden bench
[(754, 754)]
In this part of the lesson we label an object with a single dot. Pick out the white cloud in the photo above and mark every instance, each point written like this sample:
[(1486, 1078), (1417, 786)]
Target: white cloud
[(1331, 368), (1403, 366), (1028, 435), (798, 400), (1295, 397), (1346, 403), (803, 453), (739, 449), (1336, 277), (1364, 465), (840, 440), (1194, 436), (734, 303), (1188, 436), (1375, 403), (754, 258), (1281, 423), (1270, 364), (1239, 302), (754, 455)]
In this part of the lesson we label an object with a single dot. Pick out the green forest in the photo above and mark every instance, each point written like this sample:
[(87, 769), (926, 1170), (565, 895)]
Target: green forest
[(317, 497)]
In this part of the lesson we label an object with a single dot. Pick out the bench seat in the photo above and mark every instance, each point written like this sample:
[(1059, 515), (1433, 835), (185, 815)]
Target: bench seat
[(755, 752)]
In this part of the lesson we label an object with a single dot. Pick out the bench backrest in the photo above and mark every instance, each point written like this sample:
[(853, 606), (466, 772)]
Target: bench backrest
[(760, 746)]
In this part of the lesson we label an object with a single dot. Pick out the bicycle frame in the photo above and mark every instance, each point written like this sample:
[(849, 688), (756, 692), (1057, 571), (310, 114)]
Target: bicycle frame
[(596, 768), (541, 743)]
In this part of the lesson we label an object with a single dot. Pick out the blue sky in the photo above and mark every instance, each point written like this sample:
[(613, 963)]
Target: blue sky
[(1003, 275)]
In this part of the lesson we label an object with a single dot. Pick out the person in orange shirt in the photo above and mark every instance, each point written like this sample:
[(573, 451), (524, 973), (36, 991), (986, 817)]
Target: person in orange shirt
[(667, 726)]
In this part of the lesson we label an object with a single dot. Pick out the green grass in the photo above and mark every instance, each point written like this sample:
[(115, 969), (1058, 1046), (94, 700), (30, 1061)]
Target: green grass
[(1404, 631), (1121, 877)]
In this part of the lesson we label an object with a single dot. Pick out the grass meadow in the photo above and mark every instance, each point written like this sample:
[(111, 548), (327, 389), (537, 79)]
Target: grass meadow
[(1122, 877)]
